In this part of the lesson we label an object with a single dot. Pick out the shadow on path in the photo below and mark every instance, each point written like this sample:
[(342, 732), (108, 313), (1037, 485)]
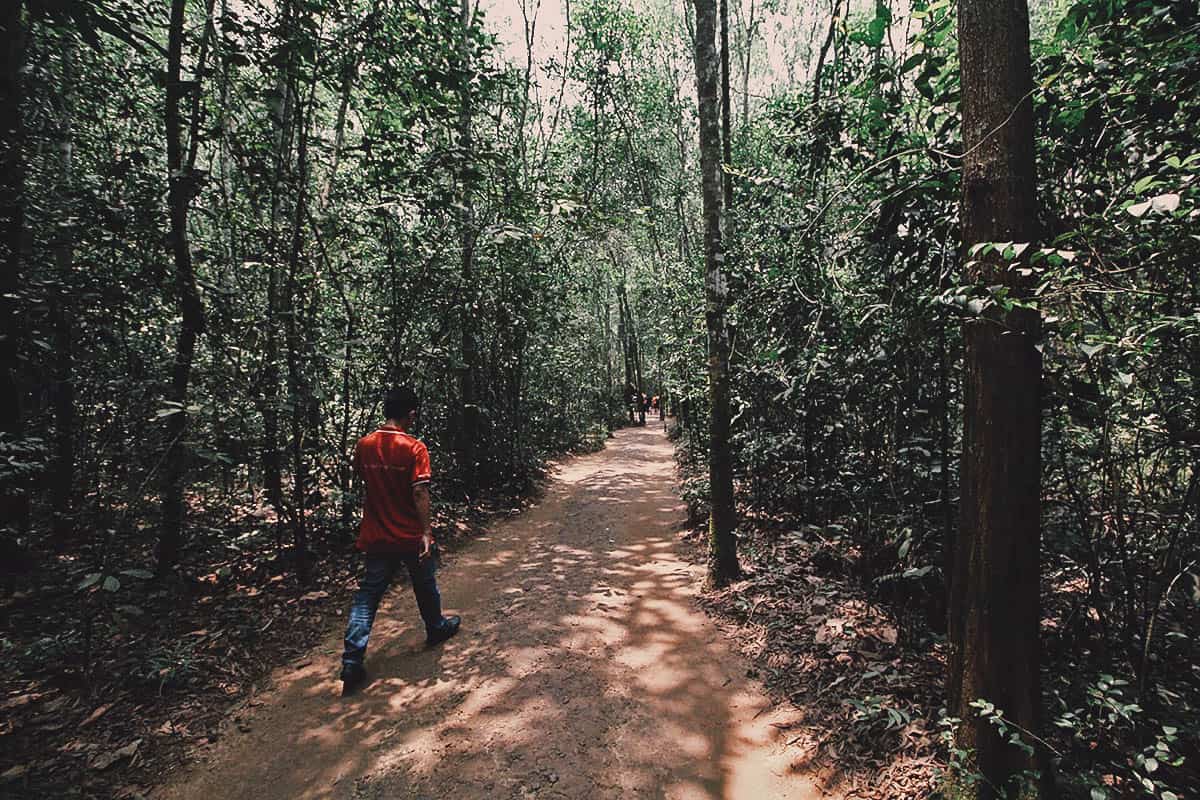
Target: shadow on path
[(583, 670)]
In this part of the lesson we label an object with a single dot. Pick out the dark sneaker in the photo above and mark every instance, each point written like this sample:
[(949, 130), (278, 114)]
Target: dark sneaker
[(448, 628), (353, 678)]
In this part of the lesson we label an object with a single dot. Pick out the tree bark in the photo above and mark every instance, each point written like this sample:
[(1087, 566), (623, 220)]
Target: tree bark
[(62, 479), (270, 459), (723, 563), (469, 425), (14, 501), (834, 8), (181, 188), (298, 383), (630, 392), (726, 125), (994, 595)]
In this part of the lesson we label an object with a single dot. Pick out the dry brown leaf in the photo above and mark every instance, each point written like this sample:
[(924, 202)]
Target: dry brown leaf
[(95, 715), (12, 773)]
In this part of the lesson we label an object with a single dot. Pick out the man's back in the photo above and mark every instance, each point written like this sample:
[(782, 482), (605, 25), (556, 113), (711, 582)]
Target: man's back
[(390, 463)]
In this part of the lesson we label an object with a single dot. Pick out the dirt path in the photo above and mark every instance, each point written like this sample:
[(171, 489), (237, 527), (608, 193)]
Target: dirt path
[(583, 670)]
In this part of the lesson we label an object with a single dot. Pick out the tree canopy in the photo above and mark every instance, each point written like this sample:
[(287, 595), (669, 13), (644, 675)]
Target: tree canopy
[(229, 225)]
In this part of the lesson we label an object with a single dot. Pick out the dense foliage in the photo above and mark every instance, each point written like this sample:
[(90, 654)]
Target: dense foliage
[(381, 192), (848, 361)]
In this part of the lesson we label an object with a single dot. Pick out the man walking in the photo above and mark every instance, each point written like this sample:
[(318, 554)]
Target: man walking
[(394, 468)]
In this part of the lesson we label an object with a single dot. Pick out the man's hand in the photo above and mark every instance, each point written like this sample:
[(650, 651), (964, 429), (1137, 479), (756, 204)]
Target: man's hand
[(421, 501)]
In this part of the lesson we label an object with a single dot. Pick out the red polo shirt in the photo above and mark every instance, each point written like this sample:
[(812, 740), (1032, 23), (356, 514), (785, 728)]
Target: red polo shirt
[(390, 463)]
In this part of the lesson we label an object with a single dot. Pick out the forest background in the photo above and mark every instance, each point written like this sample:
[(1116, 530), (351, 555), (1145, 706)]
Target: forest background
[(227, 224)]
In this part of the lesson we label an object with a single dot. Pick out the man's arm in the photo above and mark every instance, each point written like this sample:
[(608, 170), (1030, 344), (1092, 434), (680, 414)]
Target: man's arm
[(421, 501)]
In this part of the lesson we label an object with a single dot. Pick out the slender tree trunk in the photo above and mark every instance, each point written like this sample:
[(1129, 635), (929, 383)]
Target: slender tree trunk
[(637, 363), (350, 64), (723, 563), (994, 594), (14, 500), (62, 479), (608, 365), (834, 9), (748, 52), (299, 395), (726, 127), (181, 189), (630, 392), (469, 426), (272, 467)]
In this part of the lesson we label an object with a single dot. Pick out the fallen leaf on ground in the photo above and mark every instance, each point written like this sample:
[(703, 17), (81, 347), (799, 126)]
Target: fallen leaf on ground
[(102, 761), (95, 715), (18, 701), (314, 596), (12, 773)]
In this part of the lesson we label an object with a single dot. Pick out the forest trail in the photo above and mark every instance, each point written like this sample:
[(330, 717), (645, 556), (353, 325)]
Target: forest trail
[(583, 670)]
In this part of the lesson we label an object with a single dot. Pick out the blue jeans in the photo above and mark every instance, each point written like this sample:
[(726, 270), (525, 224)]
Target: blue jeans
[(380, 570)]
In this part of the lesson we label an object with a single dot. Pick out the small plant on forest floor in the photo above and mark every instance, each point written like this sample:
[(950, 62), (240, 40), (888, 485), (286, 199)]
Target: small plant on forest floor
[(1101, 731), (962, 777), (170, 663), (873, 712)]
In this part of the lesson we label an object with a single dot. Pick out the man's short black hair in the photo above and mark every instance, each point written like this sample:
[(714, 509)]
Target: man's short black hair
[(399, 401)]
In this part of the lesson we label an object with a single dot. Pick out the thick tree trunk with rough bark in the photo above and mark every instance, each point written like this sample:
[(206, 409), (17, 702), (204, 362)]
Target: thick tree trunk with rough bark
[(994, 597), (723, 563), (181, 189)]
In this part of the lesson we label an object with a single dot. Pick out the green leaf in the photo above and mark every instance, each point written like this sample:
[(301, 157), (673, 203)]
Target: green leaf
[(876, 29), (144, 574), (913, 61), (90, 580), (111, 584)]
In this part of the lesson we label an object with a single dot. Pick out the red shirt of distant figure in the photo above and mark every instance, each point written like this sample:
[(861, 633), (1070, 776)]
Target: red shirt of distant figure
[(390, 463)]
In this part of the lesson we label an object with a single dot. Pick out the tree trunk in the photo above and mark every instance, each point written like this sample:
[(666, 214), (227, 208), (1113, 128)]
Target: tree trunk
[(299, 393), (469, 426), (14, 501), (723, 563), (181, 189), (630, 391), (608, 365), (62, 478), (726, 126), (994, 597), (748, 44), (271, 461), (637, 364)]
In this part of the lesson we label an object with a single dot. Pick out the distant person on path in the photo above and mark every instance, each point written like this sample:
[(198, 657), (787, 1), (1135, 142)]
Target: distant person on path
[(394, 468)]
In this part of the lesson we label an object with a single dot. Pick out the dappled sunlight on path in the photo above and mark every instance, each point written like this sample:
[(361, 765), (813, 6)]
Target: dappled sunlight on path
[(583, 670)]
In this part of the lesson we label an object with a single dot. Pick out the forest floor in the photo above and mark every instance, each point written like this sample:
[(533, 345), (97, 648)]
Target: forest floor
[(584, 669)]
